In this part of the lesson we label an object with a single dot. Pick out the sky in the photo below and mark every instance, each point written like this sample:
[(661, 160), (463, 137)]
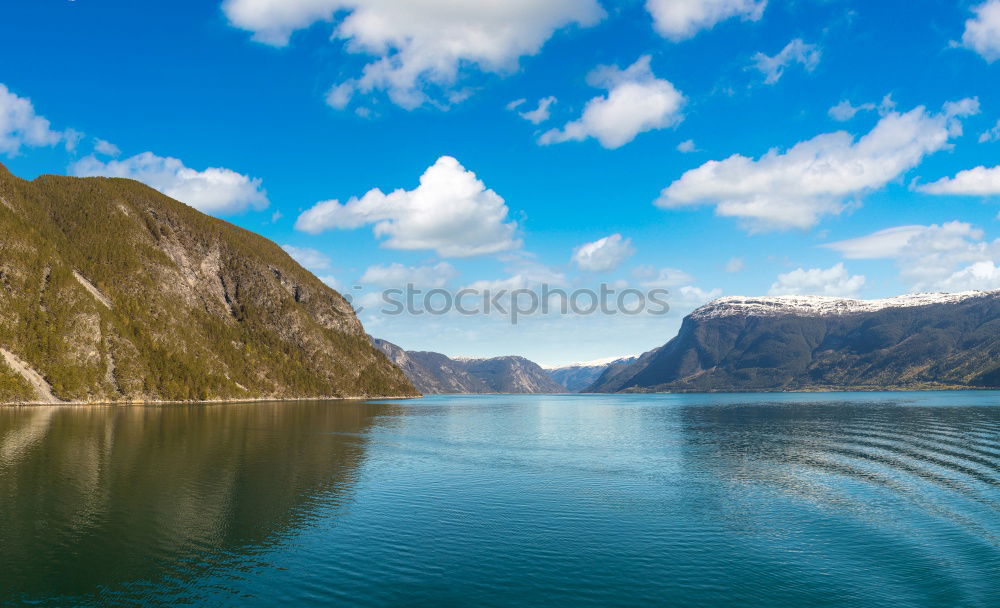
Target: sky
[(704, 148)]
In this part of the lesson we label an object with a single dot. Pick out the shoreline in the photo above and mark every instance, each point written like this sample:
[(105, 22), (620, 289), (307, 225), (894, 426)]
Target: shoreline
[(204, 401)]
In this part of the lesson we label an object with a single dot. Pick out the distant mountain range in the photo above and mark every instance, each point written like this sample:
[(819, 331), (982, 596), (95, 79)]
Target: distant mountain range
[(435, 374), (111, 291), (578, 376), (925, 341)]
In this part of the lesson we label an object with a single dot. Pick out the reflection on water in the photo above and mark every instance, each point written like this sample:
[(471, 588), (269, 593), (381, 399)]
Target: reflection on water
[(686, 500), (94, 497)]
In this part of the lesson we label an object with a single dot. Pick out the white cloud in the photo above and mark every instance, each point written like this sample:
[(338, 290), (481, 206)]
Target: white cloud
[(735, 265), (833, 281), (522, 274), (340, 95), (539, 114), (72, 137), (395, 275), (106, 147), (313, 259), (982, 32), (844, 111), (637, 101), (330, 281), (21, 126), (795, 51), (663, 277), (687, 146), (941, 257), (603, 254), (451, 212), (417, 44), (981, 275), (681, 19), (978, 181), (215, 190), (689, 296), (991, 134), (882, 244), (816, 177)]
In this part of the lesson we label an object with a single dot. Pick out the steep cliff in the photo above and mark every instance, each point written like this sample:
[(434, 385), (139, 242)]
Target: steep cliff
[(111, 291)]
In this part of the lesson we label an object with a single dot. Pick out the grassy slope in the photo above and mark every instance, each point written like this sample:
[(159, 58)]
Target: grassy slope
[(201, 309)]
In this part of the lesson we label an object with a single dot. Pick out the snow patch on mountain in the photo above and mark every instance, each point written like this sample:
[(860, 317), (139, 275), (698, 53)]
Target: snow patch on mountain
[(823, 305)]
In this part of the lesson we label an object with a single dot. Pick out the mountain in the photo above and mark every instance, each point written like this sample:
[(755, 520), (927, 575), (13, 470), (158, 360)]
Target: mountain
[(111, 291), (435, 374), (432, 373), (922, 341), (578, 376), (512, 375)]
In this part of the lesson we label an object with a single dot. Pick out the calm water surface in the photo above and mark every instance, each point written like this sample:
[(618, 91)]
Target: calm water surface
[(681, 500)]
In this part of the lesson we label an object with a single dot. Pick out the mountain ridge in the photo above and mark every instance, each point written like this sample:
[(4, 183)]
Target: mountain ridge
[(435, 373), (923, 341), (114, 292), (578, 376)]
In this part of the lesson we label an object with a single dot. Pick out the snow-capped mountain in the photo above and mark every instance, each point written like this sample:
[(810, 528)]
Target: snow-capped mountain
[(820, 343)]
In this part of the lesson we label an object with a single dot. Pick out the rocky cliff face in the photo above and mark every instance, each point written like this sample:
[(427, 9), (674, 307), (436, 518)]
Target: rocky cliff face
[(111, 291), (803, 343), (436, 374)]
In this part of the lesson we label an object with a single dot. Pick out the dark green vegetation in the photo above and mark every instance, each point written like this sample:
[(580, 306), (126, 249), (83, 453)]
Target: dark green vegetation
[(437, 374), (112, 291), (935, 346)]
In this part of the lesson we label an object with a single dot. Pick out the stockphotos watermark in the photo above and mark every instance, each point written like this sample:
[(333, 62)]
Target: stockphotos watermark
[(516, 304)]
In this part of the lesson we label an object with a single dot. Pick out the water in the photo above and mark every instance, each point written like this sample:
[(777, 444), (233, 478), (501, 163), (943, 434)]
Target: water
[(877, 499)]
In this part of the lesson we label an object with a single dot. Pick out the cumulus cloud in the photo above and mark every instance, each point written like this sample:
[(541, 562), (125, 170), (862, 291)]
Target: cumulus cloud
[(981, 275), (795, 51), (982, 32), (991, 134), (451, 212), (882, 244), (833, 281), (637, 101), (690, 295), (687, 146), (979, 181), (539, 114), (215, 190), (682, 19), (522, 274), (106, 147), (417, 44), (951, 256), (21, 126), (845, 111), (395, 275), (603, 254), (309, 258), (819, 176), (650, 276), (330, 281)]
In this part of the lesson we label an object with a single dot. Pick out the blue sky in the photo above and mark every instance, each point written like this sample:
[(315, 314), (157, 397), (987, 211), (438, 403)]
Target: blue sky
[(708, 147)]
